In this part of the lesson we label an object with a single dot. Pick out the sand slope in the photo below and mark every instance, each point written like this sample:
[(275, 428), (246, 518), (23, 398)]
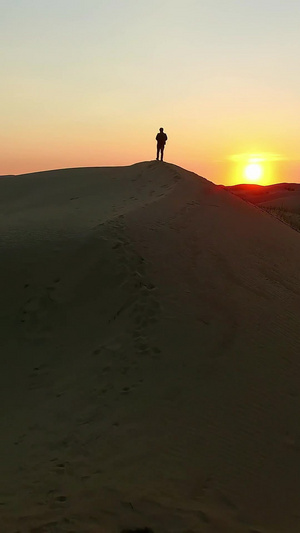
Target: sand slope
[(150, 348)]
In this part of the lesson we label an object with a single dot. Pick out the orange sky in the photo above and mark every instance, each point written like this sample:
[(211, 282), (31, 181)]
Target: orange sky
[(88, 83)]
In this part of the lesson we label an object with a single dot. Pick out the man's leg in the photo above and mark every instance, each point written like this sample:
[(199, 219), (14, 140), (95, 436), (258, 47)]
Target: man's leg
[(162, 153), (157, 153)]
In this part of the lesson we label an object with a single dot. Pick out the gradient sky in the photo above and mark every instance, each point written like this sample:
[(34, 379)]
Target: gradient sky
[(89, 82)]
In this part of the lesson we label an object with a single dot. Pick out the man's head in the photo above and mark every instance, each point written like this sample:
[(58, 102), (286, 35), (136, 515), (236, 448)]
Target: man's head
[(161, 130)]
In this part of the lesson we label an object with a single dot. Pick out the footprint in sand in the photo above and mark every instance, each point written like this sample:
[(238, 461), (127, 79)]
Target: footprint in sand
[(138, 530), (61, 499), (50, 527), (35, 310)]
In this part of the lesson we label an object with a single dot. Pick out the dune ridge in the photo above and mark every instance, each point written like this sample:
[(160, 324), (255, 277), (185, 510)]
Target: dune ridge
[(149, 355), (281, 200), (285, 195)]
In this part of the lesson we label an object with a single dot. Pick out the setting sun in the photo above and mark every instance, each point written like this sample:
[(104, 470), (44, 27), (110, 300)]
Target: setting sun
[(253, 172), (257, 167)]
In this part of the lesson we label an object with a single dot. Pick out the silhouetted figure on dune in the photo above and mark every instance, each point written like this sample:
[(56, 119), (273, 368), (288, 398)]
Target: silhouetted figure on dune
[(161, 138)]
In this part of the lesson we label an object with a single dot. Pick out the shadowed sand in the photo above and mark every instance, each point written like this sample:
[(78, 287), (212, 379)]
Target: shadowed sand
[(150, 348), (281, 200)]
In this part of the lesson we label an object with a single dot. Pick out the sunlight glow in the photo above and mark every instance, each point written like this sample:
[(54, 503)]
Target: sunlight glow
[(253, 171), (257, 158), (255, 167)]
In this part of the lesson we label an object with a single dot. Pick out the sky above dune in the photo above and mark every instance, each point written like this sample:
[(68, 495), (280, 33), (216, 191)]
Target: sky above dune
[(89, 82)]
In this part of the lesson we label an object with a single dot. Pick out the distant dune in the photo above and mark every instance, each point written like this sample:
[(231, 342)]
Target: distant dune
[(277, 195), (281, 200), (149, 353)]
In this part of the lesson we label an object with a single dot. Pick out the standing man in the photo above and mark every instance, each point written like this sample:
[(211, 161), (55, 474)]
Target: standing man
[(161, 138)]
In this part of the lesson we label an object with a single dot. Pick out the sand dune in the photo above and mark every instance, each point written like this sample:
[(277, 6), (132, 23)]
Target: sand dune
[(286, 195), (150, 348)]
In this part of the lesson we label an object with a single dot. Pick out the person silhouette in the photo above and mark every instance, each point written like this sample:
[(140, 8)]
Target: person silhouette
[(161, 138)]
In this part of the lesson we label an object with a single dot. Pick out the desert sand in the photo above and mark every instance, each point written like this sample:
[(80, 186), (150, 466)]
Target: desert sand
[(150, 345), (281, 200), (286, 195)]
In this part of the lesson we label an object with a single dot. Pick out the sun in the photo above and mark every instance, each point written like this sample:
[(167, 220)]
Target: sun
[(253, 172), (255, 168)]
